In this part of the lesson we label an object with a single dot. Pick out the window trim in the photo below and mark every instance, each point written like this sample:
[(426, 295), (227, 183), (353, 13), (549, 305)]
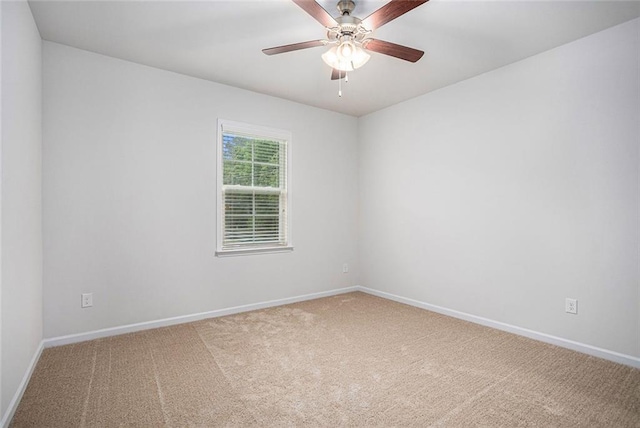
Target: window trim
[(260, 131)]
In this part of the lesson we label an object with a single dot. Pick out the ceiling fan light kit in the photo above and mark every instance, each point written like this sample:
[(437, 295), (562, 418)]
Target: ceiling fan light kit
[(350, 37), (345, 62)]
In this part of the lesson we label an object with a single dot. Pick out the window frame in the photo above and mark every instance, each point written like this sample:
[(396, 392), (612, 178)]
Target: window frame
[(253, 131)]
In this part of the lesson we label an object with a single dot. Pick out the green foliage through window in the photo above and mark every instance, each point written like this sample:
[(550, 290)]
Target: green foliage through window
[(251, 162)]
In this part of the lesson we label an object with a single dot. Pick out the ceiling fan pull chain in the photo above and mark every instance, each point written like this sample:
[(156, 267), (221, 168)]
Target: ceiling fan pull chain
[(340, 83), (346, 77)]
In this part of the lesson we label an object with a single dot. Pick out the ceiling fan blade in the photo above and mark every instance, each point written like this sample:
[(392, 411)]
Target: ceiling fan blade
[(337, 74), (317, 12), (387, 48), (293, 47), (389, 12)]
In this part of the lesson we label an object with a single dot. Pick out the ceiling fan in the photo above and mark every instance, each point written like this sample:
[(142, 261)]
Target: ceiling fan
[(350, 37)]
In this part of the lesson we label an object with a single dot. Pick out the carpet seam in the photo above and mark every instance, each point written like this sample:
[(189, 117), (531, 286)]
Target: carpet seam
[(466, 403), (226, 376), (159, 388), (224, 373), (83, 419)]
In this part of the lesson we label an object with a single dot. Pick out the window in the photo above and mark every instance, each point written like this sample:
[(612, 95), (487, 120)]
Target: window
[(253, 189)]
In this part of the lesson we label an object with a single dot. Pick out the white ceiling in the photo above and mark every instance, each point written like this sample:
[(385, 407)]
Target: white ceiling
[(221, 41)]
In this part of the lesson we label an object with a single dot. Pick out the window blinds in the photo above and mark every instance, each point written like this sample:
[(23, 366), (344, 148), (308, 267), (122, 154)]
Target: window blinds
[(254, 190)]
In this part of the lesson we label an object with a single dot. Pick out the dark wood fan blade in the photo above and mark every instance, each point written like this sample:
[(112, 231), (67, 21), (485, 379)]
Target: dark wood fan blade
[(317, 12), (389, 12), (387, 48), (337, 74), (293, 47)]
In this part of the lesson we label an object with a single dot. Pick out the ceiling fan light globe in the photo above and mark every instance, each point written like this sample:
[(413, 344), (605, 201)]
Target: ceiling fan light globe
[(332, 59), (359, 57), (346, 50), (343, 66)]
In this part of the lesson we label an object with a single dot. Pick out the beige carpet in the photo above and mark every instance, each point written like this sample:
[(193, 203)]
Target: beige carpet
[(353, 359)]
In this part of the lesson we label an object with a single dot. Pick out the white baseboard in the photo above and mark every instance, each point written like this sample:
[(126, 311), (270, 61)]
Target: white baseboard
[(542, 337), (13, 405), (130, 328)]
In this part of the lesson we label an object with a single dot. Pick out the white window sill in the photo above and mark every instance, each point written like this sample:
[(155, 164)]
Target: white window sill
[(248, 251)]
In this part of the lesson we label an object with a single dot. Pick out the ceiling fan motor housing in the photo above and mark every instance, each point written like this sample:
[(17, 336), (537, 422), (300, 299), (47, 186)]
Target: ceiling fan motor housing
[(346, 7), (349, 28)]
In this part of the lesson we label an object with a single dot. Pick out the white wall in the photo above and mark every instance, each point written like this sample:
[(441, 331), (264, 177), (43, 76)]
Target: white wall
[(21, 195), (504, 194), (1, 407), (129, 195)]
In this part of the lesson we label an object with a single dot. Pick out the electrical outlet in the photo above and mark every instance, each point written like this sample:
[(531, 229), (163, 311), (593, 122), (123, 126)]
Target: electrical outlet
[(345, 268), (571, 306), (87, 300)]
